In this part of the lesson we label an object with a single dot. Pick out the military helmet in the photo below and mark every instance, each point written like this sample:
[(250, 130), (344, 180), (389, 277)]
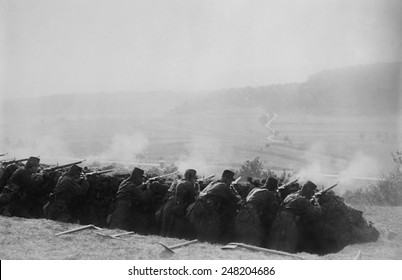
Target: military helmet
[(308, 188), (271, 184), (137, 173), (74, 170), (190, 174), (228, 174), (32, 161)]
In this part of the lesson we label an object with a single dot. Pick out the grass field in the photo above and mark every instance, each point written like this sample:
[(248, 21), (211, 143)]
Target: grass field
[(26, 239)]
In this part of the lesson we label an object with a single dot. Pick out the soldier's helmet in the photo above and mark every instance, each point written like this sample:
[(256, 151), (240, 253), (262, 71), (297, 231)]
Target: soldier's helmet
[(137, 173), (271, 184), (228, 174), (32, 161), (74, 170), (190, 174), (308, 189)]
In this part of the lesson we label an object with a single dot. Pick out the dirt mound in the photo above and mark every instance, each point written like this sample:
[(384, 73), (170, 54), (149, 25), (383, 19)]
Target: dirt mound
[(339, 226)]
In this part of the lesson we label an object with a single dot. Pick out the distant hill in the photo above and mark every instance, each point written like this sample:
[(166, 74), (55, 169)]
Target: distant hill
[(360, 90), (366, 89)]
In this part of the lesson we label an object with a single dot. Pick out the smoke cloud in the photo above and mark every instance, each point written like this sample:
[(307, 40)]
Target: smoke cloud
[(200, 150), (359, 170), (125, 147)]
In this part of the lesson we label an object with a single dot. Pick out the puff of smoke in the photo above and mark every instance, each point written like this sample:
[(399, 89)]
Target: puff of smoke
[(124, 148), (361, 168), (49, 148), (196, 159), (317, 167)]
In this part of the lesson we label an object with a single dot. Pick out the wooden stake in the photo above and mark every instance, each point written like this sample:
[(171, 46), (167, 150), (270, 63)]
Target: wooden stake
[(170, 249), (255, 248), (77, 229), (122, 234)]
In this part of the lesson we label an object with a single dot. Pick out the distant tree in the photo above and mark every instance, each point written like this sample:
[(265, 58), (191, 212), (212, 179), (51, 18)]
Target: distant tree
[(254, 168)]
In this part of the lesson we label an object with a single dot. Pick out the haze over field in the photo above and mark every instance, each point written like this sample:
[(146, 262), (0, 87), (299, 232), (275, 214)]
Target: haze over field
[(192, 82)]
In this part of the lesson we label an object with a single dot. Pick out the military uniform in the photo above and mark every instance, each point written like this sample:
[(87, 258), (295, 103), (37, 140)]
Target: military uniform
[(254, 220), (22, 184), (288, 229), (62, 202), (174, 221), (131, 204), (214, 211)]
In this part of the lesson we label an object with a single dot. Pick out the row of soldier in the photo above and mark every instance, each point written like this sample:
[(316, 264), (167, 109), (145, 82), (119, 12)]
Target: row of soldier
[(216, 211)]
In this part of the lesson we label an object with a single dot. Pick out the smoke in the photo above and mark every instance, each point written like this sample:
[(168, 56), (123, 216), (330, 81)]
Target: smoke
[(360, 169), (361, 166), (201, 151), (124, 148), (49, 147)]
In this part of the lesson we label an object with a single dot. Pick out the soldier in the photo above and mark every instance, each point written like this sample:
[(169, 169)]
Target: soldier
[(69, 188), (6, 175), (213, 212), (298, 209), (23, 182), (254, 220), (182, 194), (131, 202)]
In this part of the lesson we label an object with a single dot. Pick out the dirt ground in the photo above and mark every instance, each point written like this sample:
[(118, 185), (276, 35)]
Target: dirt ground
[(24, 239)]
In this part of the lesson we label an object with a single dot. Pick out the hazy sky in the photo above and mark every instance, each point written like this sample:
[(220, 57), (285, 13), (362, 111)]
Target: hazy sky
[(50, 47)]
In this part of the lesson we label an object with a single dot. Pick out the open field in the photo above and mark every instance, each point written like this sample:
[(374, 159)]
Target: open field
[(24, 239)]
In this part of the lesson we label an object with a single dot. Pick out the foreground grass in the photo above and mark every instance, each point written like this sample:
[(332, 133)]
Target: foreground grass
[(26, 239)]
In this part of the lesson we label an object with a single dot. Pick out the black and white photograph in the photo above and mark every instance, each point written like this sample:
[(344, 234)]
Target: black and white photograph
[(201, 130)]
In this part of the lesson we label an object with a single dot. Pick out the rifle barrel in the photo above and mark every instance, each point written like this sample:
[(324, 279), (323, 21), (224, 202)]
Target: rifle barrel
[(99, 172), (14, 161), (63, 166), (164, 175), (327, 189), (288, 183)]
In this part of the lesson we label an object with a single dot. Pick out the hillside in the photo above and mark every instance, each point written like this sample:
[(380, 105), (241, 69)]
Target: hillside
[(361, 90), (366, 89)]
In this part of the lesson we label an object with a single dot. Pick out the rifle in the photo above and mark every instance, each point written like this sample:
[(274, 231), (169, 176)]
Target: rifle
[(288, 183), (99, 172), (55, 168), (206, 178), (14, 161), (236, 181), (161, 176), (2, 155), (324, 191)]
